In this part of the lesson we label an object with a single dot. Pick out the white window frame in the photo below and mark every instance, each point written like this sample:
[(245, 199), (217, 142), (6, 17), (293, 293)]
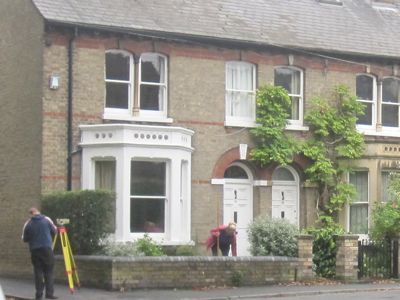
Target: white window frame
[(361, 236), (296, 124), (164, 85), (238, 121), (119, 113), (388, 128), (373, 102), (156, 235)]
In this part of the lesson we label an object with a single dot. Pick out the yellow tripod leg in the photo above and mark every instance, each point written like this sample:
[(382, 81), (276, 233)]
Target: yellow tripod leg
[(73, 265), (67, 257), (54, 241)]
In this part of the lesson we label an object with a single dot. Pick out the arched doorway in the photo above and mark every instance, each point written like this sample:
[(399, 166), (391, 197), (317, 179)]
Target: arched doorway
[(238, 202), (285, 194)]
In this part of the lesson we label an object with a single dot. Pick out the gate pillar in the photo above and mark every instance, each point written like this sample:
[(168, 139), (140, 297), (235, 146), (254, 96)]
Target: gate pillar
[(347, 257)]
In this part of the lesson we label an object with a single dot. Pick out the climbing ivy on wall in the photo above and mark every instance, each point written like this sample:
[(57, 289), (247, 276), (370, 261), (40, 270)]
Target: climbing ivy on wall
[(332, 139), (331, 144), (273, 144)]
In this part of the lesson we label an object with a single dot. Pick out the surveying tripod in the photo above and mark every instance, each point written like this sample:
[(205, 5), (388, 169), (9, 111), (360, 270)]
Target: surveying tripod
[(70, 266)]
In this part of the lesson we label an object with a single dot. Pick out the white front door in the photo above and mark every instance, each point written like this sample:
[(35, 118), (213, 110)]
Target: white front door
[(238, 208), (285, 203)]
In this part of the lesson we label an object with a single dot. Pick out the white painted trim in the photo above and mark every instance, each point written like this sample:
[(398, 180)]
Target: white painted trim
[(260, 183), (232, 122), (218, 181), (125, 116), (295, 127), (245, 168)]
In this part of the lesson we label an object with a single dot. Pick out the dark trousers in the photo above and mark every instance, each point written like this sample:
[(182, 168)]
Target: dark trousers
[(43, 265), (224, 250)]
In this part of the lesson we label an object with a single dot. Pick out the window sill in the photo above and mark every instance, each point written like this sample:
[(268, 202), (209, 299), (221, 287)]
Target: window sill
[(240, 123), (123, 117), (296, 127), (389, 132)]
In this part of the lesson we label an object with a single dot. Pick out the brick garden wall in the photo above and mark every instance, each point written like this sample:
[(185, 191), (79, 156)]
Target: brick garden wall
[(180, 272), (189, 272)]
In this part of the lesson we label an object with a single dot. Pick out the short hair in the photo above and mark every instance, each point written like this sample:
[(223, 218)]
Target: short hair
[(34, 211), (232, 225)]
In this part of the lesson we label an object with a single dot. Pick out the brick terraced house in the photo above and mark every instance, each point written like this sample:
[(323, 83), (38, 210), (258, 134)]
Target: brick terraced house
[(154, 99)]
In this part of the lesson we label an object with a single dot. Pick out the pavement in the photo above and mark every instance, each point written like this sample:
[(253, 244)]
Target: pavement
[(20, 289)]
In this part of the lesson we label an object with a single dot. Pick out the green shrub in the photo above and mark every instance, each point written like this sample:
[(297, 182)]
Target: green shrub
[(386, 220), (185, 250), (91, 216), (237, 278), (141, 247), (146, 246), (118, 249), (324, 248), (270, 236)]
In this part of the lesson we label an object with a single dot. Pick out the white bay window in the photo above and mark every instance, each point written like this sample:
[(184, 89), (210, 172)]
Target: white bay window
[(150, 167)]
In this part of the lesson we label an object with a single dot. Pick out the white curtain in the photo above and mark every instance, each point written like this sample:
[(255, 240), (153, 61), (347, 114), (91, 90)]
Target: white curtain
[(359, 219), (359, 208), (240, 89), (105, 175)]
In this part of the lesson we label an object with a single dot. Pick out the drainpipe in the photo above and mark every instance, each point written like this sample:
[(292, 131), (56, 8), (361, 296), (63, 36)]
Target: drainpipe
[(69, 111)]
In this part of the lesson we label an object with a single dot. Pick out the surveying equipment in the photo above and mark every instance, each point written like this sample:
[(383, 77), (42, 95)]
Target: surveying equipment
[(70, 266)]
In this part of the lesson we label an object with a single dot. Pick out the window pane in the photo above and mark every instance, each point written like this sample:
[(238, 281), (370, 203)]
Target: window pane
[(366, 119), (235, 172), (117, 66), (240, 95), (147, 215), (364, 87), (359, 218), (117, 95), (282, 174), (148, 178), (105, 175), (360, 181), (295, 109), (390, 115), (241, 104), (386, 195), (151, 97), (391, 90), (152, 68), (240, 76), (289, 79)]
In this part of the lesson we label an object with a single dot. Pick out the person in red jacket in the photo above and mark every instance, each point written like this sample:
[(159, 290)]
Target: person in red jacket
[(223, 236)]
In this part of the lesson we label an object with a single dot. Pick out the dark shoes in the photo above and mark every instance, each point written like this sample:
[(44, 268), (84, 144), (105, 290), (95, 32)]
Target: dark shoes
[(51, 297)]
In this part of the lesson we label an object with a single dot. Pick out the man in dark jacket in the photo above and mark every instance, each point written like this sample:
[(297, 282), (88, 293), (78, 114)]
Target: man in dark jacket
[(38, 232)]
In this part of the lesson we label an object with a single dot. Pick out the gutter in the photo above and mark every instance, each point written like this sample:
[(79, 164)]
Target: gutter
[(70, 108)]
